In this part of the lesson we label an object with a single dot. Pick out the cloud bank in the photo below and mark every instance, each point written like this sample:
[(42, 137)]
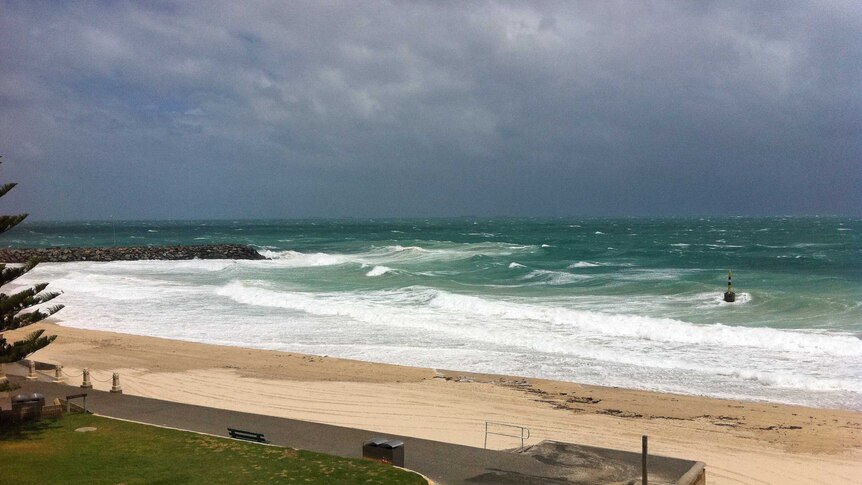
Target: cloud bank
[(299, 109)]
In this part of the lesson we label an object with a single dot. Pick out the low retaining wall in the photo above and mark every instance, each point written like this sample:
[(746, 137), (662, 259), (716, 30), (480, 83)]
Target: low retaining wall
[(695, 476), (130, 253), (30, 412)]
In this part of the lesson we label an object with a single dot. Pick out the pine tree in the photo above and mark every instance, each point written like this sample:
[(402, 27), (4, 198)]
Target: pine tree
[(12, 306)]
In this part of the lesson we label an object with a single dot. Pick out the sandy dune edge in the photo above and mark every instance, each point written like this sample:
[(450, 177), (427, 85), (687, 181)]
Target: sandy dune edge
[(741, 442)]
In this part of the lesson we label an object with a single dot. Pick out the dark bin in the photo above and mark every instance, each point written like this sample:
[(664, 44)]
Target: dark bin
[(35, 399), (384, 450), (26, 407)]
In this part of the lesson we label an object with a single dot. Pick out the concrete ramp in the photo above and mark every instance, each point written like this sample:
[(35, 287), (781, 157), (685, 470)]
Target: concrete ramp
[(579, 464)]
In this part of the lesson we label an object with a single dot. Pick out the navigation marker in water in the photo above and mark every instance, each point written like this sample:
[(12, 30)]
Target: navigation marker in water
[(729, 295)]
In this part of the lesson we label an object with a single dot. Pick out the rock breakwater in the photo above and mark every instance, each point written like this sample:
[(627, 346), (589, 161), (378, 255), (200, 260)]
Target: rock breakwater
[(130, 253)]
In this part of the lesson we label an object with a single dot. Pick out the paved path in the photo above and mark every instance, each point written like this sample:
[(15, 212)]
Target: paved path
[(444, 463)]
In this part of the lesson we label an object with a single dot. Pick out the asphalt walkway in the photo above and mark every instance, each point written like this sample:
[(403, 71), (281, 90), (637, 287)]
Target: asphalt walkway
[(444, 463)]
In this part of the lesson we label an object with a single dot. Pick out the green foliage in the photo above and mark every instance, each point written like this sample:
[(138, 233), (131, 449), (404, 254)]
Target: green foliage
[(117, 451), (22, 348), (13, 306)]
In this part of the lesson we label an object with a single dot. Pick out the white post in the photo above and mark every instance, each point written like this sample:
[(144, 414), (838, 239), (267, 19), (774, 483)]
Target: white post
[(3, 378), (32, 375), (116, 387), (58, 374), (87, 384)]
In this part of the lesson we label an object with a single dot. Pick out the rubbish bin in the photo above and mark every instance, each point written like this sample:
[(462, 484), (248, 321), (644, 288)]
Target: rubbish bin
[(27, 406), (384, 450), (29, 400)]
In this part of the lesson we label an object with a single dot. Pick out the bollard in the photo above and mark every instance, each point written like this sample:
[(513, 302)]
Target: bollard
[(644, 461), (3, 378), (116, 387), (58, 374), (87, 384), (32, 375)]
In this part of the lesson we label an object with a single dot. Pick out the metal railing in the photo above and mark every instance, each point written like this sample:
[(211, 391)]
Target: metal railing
[(523, 432)]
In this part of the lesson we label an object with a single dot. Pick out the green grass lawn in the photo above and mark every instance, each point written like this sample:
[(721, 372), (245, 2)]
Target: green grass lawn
[(119, 452)]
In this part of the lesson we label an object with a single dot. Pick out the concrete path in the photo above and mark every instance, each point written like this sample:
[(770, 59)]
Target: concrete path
[(442, 462)]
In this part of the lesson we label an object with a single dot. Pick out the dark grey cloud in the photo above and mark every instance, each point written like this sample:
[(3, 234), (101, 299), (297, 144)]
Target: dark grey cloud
[(294, 109)]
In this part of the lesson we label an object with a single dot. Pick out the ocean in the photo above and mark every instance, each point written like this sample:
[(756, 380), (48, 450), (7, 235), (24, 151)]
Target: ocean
[(628, 302)]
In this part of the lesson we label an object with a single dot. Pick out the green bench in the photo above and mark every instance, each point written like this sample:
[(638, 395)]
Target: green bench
[(246, 435)]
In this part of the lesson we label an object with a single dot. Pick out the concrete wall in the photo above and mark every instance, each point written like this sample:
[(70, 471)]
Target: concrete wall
[(695, 476)]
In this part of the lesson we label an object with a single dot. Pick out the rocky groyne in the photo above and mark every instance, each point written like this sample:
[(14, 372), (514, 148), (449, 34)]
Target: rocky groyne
[(133, 253)]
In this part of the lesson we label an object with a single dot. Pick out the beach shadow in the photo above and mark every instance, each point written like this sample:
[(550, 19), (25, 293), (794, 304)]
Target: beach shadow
[(28, 430)]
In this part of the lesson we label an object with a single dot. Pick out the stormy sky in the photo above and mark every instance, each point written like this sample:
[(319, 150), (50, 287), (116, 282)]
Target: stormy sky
[(175, 110)]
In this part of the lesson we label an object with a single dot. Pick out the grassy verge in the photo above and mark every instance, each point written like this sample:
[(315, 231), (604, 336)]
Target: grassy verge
[(119, 452)]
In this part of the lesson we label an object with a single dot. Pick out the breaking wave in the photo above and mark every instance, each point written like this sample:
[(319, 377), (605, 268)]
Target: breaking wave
[(379, 271), (548, 277), (577, 322), (394, 253), (524, 327), (583, 264)]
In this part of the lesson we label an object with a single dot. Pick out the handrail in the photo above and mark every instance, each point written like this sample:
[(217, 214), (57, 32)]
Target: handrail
[(523, 435), (75, 396)]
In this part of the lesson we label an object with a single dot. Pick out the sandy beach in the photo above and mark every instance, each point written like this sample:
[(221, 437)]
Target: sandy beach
[(741, 442)]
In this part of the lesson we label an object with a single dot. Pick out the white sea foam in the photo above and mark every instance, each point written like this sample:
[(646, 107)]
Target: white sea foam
[(514, 265), (437, 273), (547, 336), (657, 329), (583, 264), (379, 271), (394, 253), (666, 274), (117, 287), (399, 248), (526, 329), (789, 380), (299, 260), (127, 268), (548, 277)]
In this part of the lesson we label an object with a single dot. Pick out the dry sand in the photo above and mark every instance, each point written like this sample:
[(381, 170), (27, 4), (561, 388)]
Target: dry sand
[(741, 442)]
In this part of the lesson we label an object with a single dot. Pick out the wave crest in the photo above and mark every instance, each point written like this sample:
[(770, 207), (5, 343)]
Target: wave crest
[(583, 264), (379, 271)]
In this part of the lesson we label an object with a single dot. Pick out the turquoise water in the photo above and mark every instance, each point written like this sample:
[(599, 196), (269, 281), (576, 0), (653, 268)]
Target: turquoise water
[(623, 302)]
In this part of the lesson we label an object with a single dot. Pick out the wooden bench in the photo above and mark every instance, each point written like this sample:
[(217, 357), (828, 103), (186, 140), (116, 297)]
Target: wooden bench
[(246, 435)]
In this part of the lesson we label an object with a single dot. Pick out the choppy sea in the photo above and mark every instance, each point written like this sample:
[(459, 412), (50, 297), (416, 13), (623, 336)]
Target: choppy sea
[(617, 302)]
